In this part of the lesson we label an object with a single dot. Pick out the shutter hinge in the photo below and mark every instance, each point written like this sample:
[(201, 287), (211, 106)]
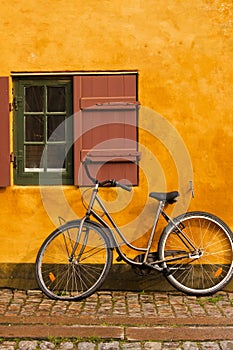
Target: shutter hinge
[(17, 101), (13, 160)]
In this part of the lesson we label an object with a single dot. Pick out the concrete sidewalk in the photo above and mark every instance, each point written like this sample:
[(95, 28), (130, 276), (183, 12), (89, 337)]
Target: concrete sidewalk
[(116, 320)]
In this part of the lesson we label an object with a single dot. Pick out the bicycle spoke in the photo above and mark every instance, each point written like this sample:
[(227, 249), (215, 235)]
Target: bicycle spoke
[(63, 273), (210, 266)]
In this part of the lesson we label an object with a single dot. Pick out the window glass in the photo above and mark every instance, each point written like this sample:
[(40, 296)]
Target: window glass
[(56, 128), (56, 157), (56, 99), (34, 128), (33, 155), (34, 99)]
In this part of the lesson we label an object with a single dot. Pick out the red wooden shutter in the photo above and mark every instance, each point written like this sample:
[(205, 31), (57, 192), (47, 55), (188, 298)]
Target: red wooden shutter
[(105, 125), (4, 133)]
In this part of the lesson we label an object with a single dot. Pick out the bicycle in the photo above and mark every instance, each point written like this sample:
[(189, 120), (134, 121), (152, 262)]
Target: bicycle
[(194, 253)]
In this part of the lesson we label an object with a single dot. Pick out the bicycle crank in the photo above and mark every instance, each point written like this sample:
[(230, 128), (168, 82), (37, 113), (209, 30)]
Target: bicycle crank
[(144, 269)]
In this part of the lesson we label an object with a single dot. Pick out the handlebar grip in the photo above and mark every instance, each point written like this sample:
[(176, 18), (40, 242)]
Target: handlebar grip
[(127, 188)]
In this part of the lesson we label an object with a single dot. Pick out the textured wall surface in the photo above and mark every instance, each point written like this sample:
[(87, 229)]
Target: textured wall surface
[(182, 51)]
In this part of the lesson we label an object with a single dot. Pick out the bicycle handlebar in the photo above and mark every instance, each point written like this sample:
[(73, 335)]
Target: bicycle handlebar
[(105, 183), (124, 187)]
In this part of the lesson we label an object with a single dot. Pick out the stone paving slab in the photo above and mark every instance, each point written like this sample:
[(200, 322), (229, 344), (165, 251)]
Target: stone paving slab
[(196, 333), (156, 333), (67, 331), (133, 321)]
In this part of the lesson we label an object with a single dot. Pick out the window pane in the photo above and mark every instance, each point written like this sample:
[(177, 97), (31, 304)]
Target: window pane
[(33, 155), (34, 98), (34, 128), (56, 128), (56, 156), (56, 99)]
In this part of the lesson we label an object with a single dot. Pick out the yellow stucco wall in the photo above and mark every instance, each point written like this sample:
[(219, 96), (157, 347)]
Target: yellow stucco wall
[(182, 50)]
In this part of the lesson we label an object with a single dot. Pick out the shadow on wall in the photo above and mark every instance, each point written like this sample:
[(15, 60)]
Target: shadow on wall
[(121, 278)]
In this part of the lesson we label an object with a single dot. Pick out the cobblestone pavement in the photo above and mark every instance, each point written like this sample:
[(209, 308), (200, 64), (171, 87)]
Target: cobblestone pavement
[(114, 345), (131, 304), (116, 321)]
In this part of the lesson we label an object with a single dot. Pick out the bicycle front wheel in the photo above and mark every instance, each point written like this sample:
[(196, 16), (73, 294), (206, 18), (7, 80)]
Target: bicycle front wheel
[(72, 263), (199, 260)]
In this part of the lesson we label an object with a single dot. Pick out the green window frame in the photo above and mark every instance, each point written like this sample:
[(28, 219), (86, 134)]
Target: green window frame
[(43, 131)]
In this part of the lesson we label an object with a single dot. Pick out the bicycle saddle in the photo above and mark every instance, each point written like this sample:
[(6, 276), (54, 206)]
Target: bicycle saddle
[(169, 197)]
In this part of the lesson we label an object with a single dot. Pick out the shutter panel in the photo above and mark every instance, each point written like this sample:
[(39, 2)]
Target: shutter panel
[(106, 127), (4, 133)]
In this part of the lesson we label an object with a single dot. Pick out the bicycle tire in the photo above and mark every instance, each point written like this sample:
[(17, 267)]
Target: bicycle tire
[(213, 269), (64, 278)]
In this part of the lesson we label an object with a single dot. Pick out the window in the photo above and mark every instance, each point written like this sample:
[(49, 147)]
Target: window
[(43, 138), (59, 120)]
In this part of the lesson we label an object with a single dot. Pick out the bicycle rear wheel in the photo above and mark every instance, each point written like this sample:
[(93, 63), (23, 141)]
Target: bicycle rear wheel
[(65, 277), (210, 268)]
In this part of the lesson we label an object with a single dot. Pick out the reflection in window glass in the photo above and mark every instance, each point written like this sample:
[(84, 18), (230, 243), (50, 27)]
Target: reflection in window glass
[(34, 128), (56, 99), (56, 128), (56, 156), (34, 98), (33, 156)]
